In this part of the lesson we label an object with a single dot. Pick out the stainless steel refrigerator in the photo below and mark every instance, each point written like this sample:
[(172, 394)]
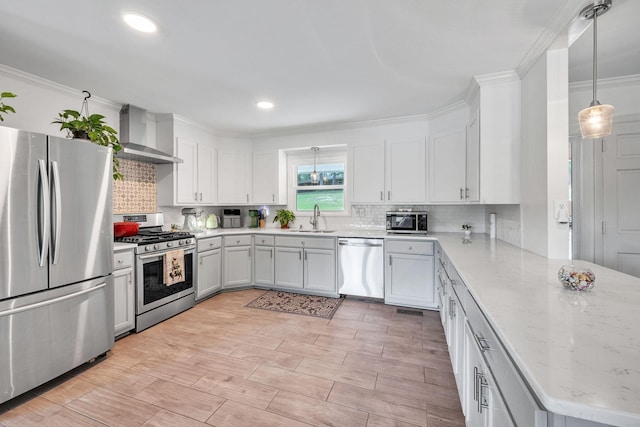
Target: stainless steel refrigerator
[(56, 257)]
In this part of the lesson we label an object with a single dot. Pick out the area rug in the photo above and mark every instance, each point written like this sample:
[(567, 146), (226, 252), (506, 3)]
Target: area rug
[(287, 302)]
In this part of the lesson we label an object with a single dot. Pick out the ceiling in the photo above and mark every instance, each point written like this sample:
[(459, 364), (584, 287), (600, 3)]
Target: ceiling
[(321, 62)]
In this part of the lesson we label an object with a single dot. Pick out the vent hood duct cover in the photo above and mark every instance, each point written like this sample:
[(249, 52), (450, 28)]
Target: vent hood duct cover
[(133, 134)]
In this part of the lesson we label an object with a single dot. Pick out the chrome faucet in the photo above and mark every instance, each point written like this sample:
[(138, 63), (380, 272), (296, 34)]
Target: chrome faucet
[(316, 213)]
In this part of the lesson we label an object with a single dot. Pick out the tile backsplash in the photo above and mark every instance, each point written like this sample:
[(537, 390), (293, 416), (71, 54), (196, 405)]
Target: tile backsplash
[(137, 193)]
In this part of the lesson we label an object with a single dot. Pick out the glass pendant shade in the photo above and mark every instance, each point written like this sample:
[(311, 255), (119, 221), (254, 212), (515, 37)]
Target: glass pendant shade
[(314, 174), (596, 120)]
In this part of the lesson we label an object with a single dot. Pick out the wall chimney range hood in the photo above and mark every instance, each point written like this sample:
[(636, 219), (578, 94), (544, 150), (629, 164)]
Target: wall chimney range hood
[(133, 136)]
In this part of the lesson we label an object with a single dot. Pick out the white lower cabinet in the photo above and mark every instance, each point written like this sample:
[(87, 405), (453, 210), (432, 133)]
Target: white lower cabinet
[(484, 404), (123, 291), (409, 273), (491, 390), (209, 279), (307, 264), (263, 261), (237, 261)]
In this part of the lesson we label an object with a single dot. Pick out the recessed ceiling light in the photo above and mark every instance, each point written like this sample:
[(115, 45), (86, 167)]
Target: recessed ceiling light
[(264, 105), (140, 22)]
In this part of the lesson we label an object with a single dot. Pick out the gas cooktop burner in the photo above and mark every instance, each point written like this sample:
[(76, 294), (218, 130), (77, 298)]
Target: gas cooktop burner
[(154, 236)]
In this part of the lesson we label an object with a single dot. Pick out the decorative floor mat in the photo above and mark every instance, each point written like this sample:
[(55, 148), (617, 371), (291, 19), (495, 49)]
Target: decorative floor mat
[(287, 302)]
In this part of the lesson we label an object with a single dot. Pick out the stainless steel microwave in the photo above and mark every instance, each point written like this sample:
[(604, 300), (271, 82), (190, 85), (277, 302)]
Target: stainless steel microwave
[(407, 222)]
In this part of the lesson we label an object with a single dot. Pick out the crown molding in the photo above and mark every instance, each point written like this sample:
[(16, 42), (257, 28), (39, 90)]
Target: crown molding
[(633, 79), (564, 19), (489, 79), (48, 84)]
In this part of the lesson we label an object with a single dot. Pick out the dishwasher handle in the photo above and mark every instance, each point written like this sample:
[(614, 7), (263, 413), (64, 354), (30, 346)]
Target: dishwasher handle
[(360, 242)]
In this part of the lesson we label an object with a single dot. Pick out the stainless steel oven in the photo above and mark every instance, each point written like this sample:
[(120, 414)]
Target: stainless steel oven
[(157, 301)]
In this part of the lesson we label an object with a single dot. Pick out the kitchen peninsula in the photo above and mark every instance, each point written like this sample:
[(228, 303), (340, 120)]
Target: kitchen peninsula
[(576, 351)]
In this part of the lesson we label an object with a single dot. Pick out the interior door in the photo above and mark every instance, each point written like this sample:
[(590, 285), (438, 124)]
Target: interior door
[(620, 201), (81, 211)]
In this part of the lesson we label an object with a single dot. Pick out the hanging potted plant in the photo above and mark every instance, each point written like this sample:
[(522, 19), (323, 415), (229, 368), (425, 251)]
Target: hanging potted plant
[(81, 125), (4, 108), (284, 216)]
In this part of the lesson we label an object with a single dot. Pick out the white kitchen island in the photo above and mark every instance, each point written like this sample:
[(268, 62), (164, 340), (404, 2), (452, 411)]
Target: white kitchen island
[(578, 351)]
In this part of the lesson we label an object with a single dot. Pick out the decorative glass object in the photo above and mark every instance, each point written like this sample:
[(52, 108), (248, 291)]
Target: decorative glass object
[(576, 279)]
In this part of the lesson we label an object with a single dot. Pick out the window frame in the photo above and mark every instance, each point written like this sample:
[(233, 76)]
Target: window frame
[(328, 156)]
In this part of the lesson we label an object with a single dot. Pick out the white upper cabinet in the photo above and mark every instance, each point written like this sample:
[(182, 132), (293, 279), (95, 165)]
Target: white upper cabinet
[(266, 179), (390, 172), (453, 167), (367, 173), (405, 171), (195, 178), (234, 177), (192, 182), (496, 106)]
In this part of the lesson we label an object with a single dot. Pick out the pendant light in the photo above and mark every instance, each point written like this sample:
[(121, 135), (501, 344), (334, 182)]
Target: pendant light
[(314, 174), (597, 119)]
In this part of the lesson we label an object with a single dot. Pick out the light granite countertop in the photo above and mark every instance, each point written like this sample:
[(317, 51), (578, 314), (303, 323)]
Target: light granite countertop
[(579, 351)]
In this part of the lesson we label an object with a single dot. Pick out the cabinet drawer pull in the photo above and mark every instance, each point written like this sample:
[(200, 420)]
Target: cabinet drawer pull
[(482, 343)]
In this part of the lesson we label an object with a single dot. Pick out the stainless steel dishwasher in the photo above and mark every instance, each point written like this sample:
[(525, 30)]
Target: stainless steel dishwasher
[(361, 267)]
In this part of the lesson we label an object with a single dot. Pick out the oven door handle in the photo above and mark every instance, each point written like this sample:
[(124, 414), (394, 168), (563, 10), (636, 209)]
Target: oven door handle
[(161, 254)]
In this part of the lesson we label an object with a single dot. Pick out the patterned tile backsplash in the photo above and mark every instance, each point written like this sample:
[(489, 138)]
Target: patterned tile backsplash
[(137, 193)]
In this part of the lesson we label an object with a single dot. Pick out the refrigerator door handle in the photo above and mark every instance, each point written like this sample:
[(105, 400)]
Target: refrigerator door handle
[(57, 201), (43, 213), (50, 301)]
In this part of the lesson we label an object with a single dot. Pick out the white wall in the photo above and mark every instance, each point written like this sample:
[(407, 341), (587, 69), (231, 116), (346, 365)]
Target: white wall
[(545, 154), (534, 159), (39, 101)]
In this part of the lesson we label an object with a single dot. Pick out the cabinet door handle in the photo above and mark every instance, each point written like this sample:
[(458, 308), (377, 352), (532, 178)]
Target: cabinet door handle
[(300, 255), (483, 402), (130, 279), (381, 196), (389, 195), (195, 196), (273, 197), (466, 192), (305, 255), (247, 197), (271, 253), (200, 196), (475, 383), (390, 261), (461, 190)]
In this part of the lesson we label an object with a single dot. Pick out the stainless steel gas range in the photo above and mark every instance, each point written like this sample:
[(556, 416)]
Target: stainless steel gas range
[(156, 300)]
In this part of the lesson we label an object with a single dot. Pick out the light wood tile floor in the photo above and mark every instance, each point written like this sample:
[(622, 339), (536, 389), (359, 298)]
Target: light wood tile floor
[(223, 364)]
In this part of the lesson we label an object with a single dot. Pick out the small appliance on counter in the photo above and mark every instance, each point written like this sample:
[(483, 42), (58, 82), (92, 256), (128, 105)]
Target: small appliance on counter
[(407, 222), (192, 221), (212, 221), (231, 218), (254, 217)]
